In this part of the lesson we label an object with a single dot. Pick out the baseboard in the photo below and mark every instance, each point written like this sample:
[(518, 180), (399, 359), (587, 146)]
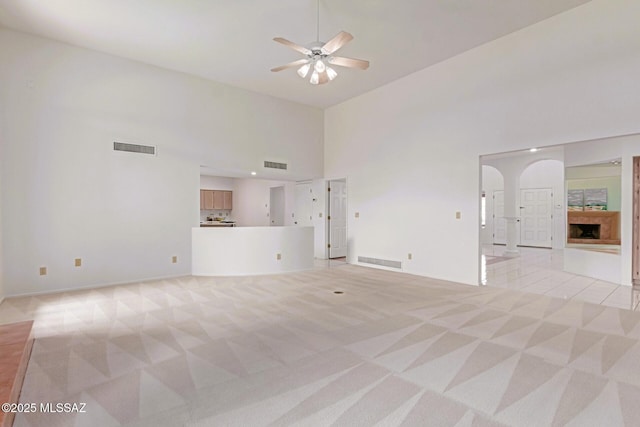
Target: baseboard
[(97, 286)]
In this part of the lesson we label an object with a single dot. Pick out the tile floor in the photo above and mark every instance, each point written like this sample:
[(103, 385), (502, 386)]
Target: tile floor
[(540, 271)]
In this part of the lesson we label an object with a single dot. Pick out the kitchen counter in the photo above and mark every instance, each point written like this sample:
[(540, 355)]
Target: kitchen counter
[(218, 224)]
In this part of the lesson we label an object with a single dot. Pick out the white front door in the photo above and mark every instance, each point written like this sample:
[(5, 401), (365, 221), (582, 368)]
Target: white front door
[(276, 206), (536, 217), (337, 219), (499, 223), (304, 205)]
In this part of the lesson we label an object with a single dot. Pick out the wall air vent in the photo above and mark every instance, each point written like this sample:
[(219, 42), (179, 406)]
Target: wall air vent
[(134, 148), (275, 165), (382, 262)]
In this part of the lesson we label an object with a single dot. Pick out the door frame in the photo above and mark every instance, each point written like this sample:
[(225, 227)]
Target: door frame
[(551, 220), (280, 207), (496, 218), (328, 211)]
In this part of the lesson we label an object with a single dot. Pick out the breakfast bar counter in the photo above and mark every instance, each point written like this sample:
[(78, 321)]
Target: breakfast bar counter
[(239, 251)]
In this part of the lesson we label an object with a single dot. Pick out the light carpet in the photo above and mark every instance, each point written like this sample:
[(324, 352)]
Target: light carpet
[(393, 350)]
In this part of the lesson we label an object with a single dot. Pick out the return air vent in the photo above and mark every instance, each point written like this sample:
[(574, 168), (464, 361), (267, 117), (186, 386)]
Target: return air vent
[(382, 262), (134, 148), (275, 165)]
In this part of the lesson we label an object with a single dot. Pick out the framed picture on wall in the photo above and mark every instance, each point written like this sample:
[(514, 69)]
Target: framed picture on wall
[(595, 199), (575, 200)]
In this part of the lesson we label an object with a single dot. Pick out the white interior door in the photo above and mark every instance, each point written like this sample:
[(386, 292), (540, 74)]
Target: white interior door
[(536, 217), (276, 205), (304, 205), (337, 219), (499, 223)]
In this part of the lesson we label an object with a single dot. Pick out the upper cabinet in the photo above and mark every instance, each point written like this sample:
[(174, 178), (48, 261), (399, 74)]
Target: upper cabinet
[(215, 199), (227, 204)]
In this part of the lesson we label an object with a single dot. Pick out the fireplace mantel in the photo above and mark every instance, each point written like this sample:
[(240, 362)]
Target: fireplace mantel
[(606, 220)]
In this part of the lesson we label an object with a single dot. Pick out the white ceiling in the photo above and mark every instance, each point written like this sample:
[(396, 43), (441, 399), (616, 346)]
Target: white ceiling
[(231, 41)]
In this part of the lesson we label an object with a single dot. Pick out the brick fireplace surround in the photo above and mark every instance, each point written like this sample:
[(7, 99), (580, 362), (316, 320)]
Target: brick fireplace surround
[(607, 220)]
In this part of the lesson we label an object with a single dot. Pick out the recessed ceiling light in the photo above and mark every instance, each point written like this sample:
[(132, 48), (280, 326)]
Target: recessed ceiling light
[(533, 150), (253, 173)]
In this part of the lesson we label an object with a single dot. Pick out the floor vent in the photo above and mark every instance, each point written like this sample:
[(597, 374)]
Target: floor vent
[(383, 262), (275, 165), (134, 148)]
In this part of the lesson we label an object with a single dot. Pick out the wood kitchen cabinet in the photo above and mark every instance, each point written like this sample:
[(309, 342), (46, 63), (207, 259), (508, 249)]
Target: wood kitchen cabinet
[(208, 200), (218, 199), (215, 199), (227, 202)]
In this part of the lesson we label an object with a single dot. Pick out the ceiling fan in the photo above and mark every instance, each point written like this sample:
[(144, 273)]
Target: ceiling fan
[(319, 56)]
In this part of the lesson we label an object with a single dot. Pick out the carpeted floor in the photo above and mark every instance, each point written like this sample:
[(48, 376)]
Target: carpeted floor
[(393, 349)]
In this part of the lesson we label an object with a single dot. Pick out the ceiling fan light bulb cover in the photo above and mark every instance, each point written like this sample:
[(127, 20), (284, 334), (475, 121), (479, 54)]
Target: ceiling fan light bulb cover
[(304, 70), (315, 78), (319, 66), (331, 73)]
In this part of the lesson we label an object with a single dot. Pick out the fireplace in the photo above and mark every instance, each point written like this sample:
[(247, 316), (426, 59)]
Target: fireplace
[(593, 227), (584, 231)]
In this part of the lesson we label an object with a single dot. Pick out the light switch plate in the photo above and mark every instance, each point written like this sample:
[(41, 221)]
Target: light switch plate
[(458, 215), (78, 262)]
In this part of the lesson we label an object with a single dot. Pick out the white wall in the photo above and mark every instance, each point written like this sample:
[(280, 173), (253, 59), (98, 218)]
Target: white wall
[(216, 183), (410, 149), (240, 251), (66, 194), (251, 201), (319, 190)]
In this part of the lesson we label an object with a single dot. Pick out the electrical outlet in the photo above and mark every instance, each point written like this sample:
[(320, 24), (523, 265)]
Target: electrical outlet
[(43, 271), (278, 257), (174, 259), (357, 214), (78, 262), (320, 215), (458, 215), (410, 256)]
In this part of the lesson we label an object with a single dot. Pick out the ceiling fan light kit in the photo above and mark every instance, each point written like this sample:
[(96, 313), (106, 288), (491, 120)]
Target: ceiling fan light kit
[(319, 56)]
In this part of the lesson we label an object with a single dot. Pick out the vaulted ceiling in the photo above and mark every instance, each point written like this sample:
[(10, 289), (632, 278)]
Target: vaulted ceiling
[(231, 41)]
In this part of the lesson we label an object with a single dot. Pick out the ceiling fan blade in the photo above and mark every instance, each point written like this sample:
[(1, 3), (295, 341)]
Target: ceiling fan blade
[(336, 42), (299, 62), (349, 62), (292, 45)]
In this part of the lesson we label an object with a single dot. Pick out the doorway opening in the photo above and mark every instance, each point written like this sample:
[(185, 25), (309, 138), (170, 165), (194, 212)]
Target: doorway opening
[(276, 206), (337, 219), (635, 252)]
